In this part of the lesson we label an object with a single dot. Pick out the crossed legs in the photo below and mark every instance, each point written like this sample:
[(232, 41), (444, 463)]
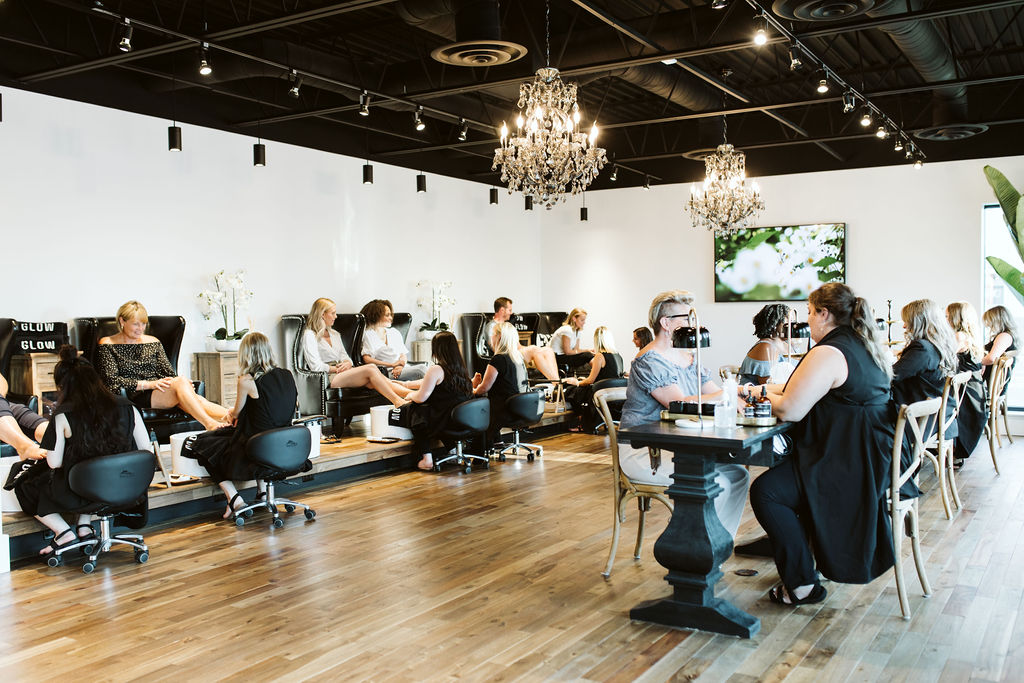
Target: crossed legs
[(182, 393), (369, 376)]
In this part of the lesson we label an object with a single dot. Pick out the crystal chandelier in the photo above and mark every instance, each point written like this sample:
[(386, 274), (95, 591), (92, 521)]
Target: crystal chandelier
[(548, 155), (725, 204)]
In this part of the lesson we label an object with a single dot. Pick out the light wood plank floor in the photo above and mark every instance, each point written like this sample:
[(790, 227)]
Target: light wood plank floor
[(497, 576)]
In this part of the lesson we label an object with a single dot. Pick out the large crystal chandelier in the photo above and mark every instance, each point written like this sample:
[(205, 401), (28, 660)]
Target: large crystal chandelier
[(725, 203), (548, 155)]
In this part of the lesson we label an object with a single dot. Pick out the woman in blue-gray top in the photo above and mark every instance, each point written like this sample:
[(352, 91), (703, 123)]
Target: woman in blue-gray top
[(660, 374)]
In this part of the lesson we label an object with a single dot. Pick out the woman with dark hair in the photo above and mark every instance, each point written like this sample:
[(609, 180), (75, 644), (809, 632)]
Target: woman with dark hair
[(445, 385), (769, 324), (88, 422), (384, 346), (265, 399), (642, 336), (830, 493)]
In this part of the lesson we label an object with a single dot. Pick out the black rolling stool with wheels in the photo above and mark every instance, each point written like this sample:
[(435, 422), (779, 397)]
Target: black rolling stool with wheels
[(277, 454), (522, 410), (468, 419), (116, 483)]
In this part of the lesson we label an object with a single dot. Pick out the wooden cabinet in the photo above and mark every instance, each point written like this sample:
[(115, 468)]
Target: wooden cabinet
[(219, 370), (32, 373)]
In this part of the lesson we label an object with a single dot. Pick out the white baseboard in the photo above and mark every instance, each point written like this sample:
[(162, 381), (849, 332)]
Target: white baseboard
[(1016, 423), (5, 553)]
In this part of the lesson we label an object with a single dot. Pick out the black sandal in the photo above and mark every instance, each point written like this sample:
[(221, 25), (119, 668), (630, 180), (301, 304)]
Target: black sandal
[(780, 596), (55, 546), (88, 536), (231, 506)]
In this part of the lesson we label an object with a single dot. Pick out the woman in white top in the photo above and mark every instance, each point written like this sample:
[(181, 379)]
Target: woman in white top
[(384, 346), (567, 340), (323, 351)]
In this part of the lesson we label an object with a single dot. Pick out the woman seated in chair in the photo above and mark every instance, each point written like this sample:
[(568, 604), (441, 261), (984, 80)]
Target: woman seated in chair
[(505, 376), (927, 359), (445, 385), (659, 375), (761, 359), (137, 363), (1001, 326), (323, 351), (830, 492), (567, 341), (265, 400), (20, 427), (384, 346), (971, 419), (88, 422), (607, 364)]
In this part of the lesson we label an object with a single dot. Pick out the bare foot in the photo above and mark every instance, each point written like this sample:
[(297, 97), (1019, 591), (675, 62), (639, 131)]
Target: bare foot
[(32, 452), (426, 463)]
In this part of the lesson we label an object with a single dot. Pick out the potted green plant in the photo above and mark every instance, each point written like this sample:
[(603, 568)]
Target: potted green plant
[(1011, 203), (229, 293)]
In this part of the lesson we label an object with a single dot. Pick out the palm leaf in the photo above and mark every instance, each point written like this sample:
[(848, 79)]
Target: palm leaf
[(1011, 275), (1009, 201)]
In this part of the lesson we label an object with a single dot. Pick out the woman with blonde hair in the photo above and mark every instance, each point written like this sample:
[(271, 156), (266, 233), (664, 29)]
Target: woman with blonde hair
[(929, 356), (607, 364), (323, 351), (1003, 329), (963, 319), (265, 400), (567, 340), (505, 376), (137, 363)]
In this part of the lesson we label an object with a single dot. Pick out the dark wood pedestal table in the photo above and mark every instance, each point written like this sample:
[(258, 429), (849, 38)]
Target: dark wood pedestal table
[(695, 543)]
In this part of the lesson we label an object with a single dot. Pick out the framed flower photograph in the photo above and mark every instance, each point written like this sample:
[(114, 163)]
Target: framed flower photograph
[(782, 263)]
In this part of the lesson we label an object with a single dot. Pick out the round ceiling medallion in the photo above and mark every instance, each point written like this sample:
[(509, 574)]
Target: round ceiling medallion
[(824, 10), (479, 53), (951, 133)]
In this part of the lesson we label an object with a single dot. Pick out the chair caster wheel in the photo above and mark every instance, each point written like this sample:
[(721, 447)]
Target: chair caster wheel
[(468, 469), (437, 468), (88, 549), (501, 458), (141, 556), (310, 514), (88, 567), (487, 465), (289, 508), (278, 523), (529, 457), (54, 561), (239, 521), (248, 514)]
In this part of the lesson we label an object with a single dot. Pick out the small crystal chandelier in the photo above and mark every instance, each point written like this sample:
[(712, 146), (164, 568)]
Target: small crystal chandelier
[(725, 204), (548, 155)]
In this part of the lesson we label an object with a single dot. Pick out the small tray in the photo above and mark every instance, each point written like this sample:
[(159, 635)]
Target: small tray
[(669, 416), (757, 421), (383, 439)]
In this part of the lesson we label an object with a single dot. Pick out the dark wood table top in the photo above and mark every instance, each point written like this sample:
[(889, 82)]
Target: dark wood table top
[(740, 445)]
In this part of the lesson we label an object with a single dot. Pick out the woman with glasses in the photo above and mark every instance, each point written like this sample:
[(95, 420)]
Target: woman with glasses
[(659, 375)]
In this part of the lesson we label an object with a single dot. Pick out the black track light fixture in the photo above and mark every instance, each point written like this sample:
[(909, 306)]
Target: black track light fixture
[(174, 138), (918, 163), (421, 182), (849, 102), (882, 132), (205, 69), (584, 214), (719, 4), (367, 174), (259, 154), (898, 145), (795, 63), (364, 104), (296, 81), (528, 203), (615, 173), (865, 116), (822, 77), (417, 118), (647, 182), (760, 30), (463, 129), (494, 195), (125, 44)]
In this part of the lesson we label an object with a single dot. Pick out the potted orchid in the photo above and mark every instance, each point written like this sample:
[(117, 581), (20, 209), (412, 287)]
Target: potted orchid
[(437, 302), (224, 301)]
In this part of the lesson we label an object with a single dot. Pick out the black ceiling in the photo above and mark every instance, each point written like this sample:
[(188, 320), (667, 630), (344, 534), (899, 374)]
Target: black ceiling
[(931, 67)]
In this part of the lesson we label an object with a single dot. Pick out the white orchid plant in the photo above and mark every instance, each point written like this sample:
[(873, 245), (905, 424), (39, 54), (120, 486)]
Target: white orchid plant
[(438, 302), (229, 293)]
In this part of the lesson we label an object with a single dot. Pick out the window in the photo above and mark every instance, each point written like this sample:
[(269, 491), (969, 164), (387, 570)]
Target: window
[(997, 242)]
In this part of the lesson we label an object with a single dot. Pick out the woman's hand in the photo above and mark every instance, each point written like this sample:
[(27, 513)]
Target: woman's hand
[(156, 384), (477, 378), (396, 371), (343, 366), (572, 381)]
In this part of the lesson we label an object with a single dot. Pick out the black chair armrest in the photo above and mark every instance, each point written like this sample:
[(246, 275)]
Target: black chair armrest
[(30, 401)]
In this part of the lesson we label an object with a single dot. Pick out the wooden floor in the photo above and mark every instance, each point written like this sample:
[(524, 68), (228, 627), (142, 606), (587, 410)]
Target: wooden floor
[(496, 576)]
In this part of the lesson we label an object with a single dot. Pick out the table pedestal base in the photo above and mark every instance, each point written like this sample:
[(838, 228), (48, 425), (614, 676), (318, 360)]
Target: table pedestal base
[(718, 616)]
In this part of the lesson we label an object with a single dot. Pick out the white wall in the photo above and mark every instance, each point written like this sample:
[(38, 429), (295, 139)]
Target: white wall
[(95, 211), (910, 234)]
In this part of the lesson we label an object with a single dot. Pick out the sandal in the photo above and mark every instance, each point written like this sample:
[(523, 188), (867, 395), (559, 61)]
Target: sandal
[(780, 596), (88, 536), (230, 512), (48, 550)]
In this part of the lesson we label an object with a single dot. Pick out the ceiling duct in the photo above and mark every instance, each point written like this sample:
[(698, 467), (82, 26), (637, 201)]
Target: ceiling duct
[(474, 25), (919, 41)]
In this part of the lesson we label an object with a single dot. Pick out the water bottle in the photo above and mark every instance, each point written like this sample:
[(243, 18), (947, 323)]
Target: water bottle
[(725, 411)]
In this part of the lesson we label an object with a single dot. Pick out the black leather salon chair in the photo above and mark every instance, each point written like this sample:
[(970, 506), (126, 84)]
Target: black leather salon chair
[(277, 454), (170, 330), (118, 485), (469, 419), (522, 410)]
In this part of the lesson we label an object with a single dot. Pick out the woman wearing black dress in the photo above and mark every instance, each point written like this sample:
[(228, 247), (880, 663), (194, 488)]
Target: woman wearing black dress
[(445, 385), (973, 412), (830, 493), (606, 364), (505, 376), (927, 359), (265, 400), (1000, 324), (88, 422)]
